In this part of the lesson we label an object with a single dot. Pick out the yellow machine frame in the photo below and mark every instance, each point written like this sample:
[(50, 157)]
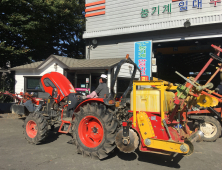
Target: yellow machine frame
[(159, 85), (145, 125)]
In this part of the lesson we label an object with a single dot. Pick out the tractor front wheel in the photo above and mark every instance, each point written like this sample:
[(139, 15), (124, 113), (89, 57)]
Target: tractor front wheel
[(35, 128), (211, 129), (94, 131)]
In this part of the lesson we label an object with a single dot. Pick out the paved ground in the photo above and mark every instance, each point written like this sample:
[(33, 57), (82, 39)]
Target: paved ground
[(56, 154)]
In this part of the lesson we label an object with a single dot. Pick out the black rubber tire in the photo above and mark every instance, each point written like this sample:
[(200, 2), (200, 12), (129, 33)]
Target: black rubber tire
[(109, 123), (217, 125), (42, 128)]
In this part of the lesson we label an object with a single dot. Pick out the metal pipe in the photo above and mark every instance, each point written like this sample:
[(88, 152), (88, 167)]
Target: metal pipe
[(164, 122), (213, 75), (198, 137), (203, 69)]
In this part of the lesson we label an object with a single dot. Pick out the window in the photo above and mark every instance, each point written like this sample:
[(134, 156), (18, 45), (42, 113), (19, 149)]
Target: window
[(48, 83), (32, 84), (122, 85)]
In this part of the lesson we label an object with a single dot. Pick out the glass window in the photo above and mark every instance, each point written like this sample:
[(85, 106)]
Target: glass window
[(33, 83), (122, 85), (49, 83)]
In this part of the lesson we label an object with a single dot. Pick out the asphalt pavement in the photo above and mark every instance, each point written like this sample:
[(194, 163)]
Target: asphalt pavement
[(56, 154)]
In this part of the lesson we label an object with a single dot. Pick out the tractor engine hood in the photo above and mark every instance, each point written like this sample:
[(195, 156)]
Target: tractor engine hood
[(57, 81)]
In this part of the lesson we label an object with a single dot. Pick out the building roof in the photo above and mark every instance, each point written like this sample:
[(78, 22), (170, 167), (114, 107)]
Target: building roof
[(2, 71), (73, 64), (28, 66)]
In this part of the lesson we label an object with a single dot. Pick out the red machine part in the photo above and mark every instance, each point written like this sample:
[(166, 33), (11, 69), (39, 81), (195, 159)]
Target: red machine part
[(24, 97), (219, 110), (216, 48), (90, 131), (62, 84), (31, 129), (124, 124), (14, 96), (64, 122), (96, 100)]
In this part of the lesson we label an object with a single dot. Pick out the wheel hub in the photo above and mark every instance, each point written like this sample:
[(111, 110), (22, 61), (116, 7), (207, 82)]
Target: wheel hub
[(94, 130), (90, 131), (31, 129), (208, 129)]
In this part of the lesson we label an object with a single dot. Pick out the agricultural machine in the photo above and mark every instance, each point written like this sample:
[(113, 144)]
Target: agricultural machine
[(24, 102), (152, 119), (205, 112)]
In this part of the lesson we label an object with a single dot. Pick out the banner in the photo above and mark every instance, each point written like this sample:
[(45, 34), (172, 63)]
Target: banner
[(142, 57)]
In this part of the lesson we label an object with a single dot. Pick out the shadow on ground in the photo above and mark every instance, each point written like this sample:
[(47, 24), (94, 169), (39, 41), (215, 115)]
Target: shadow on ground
[(53, 135), (157, 159)]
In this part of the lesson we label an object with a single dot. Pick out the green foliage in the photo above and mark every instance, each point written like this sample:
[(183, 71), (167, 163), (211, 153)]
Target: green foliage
[(6, 82), (31, 30)]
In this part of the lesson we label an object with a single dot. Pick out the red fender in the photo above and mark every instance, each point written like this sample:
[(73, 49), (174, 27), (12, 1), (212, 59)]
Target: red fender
[(97, 100)]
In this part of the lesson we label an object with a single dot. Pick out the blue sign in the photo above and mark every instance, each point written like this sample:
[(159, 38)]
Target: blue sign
[(142, 57)]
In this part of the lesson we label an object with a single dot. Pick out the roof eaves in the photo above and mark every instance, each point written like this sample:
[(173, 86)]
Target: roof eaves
[(54, 57), (26, 66), (87, 68)]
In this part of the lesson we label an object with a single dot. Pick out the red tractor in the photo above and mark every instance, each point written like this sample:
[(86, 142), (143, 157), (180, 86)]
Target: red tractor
[(91, 122), (152, 119)]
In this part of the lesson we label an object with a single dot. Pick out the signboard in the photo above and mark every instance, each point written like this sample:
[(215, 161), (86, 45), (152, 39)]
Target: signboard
[(142, 57), (159, 9)]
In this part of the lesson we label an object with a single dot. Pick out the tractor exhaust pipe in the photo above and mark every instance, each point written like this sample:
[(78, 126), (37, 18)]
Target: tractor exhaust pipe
[(196, 137)]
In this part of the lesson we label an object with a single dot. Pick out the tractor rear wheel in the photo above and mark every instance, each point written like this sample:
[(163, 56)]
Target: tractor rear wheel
[(94, 131), (211, 129), (35, 128)]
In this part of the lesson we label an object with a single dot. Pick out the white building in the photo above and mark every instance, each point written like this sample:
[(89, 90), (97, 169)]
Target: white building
[(181, 32), (83, 74)]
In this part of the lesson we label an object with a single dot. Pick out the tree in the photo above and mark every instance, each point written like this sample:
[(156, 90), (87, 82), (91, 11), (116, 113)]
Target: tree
[(31, 30)]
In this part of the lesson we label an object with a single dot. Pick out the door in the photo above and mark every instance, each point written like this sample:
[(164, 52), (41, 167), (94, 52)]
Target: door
[(83, 84)]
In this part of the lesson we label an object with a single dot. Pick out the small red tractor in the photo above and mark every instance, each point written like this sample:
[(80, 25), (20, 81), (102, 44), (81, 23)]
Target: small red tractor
[(152, 119)]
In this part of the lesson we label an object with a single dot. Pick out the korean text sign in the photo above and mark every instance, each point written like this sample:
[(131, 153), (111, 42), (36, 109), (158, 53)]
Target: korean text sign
[(142, 57)]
